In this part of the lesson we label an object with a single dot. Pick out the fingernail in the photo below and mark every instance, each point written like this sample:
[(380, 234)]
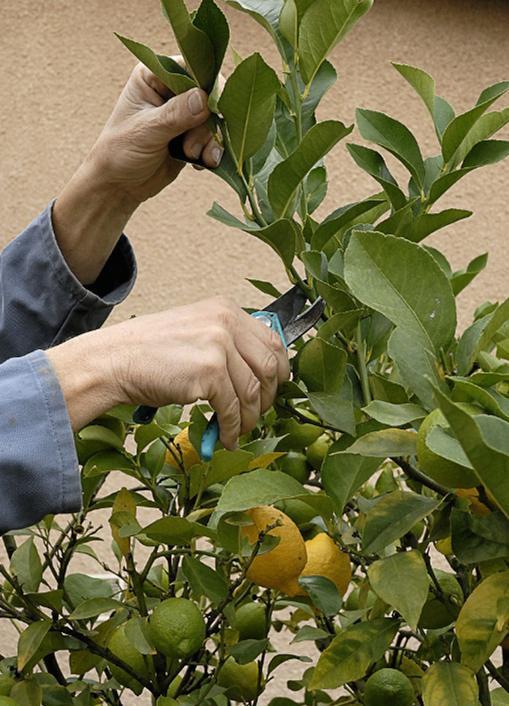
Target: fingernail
[(195, 102), (196, 151), (217, 155)]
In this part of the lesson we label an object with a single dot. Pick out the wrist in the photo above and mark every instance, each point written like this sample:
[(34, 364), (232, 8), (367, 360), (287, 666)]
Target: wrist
[(86, 378)]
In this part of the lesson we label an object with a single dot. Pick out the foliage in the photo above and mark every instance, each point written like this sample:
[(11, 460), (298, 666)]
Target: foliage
[(385, 356)]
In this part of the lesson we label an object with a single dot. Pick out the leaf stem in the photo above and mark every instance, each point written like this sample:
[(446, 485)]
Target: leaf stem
[(363, 370)]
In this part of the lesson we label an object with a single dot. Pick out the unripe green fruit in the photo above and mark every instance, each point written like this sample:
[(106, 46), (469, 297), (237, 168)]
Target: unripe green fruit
[(317, 451), (239, 680), (125, 650), (6, 684), (251, 621), (439, 613), (295, 464)]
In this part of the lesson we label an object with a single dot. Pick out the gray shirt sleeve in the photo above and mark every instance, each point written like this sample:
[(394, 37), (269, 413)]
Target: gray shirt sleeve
[(42, 304)]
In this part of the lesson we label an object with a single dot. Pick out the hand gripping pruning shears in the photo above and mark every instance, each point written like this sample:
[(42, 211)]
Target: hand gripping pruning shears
[(289, 318)]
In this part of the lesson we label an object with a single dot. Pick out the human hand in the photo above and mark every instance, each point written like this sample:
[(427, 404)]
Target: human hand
[(211, 350), (132, 155)]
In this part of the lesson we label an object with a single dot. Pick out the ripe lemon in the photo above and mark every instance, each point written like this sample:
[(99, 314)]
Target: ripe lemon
[(280, 567), (295, 465), (239, 680), (317, 451), (438, 613), (251, 621), (177, 628), (477, 507), (389, 687), (125, 650), (325, 558), (443, 471), (183, 452)]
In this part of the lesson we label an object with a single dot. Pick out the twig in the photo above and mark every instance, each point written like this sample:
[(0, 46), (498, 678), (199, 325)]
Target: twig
[(497, 676), (420, 477)]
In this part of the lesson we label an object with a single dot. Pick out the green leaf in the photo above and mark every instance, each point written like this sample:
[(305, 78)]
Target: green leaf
[(393, 516), (265, 12), (480, 626), (342, 474), (394, 415), (308, 633), (485, 153), (428, 223), (204, 580), (105, 461), (421, 82), (497, 404), (26, 693), (485, 441), (386, 442), (194, 44), (322, 366), (323, 593), (258, 487), (80, 587), (316, 188), (30, 640), (459, 128), (337, 412), (449, 683), (101, 435), (174, 530), (394, 137), (423, 307), (402, 581), (212, 22), (477, 539), (26, 566), (374, 164), (247, 104), (280, 235), (246, 651), (93, 607), (176, 81), (446, 446), (323, 26), (324, 79), (499, 697), (285, 179), (138, 634), (265, 287), (462, 278), (341, 218), (350, 654)]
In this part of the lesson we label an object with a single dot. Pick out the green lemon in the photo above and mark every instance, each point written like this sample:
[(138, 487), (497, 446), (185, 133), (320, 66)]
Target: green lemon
[(443, 471), (125, 650), (296, 435), (297, 510), (251, 621), (318, 450), (389, 687), (6, 684), (438, 613), (295, 465), (239, 680), (177, 628)]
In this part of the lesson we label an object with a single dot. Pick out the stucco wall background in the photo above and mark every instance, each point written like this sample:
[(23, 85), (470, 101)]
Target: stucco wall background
[(62, 70)]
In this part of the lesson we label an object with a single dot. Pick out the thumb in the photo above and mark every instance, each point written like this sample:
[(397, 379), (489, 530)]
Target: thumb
[(183, 112)]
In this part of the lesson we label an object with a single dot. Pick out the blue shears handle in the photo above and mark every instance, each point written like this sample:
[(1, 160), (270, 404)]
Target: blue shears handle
[(211, 434)]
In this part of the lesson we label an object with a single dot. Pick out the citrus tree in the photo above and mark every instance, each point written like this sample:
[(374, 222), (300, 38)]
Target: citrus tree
[(367, 515)]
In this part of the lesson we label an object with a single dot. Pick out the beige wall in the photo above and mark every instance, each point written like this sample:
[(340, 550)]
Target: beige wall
[(62, 69)]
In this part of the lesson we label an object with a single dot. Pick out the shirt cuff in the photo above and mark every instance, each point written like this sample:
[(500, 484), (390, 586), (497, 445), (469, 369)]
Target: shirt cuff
[(113, 284), (39, 469)]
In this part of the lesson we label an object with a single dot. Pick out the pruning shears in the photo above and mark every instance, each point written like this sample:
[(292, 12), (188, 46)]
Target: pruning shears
[(289, 318)]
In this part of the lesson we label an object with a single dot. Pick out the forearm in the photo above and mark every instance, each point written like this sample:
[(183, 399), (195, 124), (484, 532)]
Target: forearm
[(88, 219), (84, 371)]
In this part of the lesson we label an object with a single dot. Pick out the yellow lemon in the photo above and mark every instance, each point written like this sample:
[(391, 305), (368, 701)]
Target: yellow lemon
[(325, 558), (182, 451), (279, 567)]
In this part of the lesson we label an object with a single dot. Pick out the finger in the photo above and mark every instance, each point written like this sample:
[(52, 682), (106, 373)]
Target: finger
[(158, 93), (195, 142), (212, 154), (182, 113), (226, 404), (247, 387), (263, 361), (272, 341)]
